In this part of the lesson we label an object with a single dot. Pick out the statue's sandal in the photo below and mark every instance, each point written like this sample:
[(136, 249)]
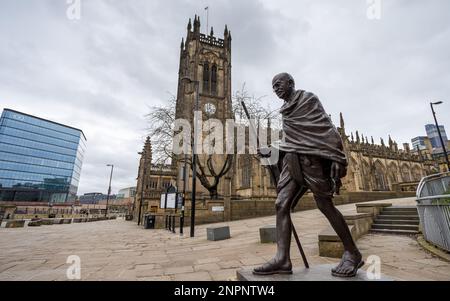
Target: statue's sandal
[(266, 273), (351, 274)]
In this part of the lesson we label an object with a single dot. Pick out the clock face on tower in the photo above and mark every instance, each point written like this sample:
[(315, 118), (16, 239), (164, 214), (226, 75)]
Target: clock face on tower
[(210, 109)]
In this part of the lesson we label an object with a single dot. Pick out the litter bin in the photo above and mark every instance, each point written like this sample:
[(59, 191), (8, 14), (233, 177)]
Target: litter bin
[(149, 222)]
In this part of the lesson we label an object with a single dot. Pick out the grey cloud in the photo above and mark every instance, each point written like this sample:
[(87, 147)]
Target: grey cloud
[(101, 73)]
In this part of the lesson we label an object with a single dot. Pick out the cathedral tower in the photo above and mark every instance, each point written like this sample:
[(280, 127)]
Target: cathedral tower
[(205, 60)]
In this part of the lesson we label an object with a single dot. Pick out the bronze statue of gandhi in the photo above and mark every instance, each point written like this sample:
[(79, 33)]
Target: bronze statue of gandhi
[(312, 159)]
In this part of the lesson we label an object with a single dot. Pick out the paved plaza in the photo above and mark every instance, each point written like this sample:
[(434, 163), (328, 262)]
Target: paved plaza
[(120, 250)]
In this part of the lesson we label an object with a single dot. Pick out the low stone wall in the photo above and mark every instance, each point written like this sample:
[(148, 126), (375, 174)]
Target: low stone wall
[(15, 224), (258, 207), (362, 223), (47, 222), (36, 222), (359, 224), (244, 209), (330, 245)]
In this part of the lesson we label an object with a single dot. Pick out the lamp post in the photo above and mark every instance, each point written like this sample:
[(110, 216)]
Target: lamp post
[(439, 132), (109, 188), (194, 155)]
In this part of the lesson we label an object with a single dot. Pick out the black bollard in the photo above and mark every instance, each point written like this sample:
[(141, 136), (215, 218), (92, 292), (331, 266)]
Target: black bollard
[(173, 224), (170, 223), (181, 224)]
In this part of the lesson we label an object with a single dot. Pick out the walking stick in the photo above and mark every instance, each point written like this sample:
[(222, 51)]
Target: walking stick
[(272, 173)]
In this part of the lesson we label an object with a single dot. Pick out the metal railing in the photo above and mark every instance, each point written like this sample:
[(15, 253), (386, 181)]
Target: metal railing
[(433, 204)]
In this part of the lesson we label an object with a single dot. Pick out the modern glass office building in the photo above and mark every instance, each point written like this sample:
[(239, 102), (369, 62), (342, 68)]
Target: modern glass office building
[(433, 135), (419, 143), (40, 160)]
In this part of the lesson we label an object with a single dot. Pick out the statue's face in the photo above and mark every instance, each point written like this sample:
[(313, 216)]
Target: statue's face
[(282, 87)]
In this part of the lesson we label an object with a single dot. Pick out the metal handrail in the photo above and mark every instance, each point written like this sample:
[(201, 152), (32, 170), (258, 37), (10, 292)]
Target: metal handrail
[(434, 218), (434, 197), (426, 179)]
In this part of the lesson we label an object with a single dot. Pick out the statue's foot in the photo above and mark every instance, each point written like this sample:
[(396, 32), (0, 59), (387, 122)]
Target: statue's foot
[(349, 265), (274, 266)]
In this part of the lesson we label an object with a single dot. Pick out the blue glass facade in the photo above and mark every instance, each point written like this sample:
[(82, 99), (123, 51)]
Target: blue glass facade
[(40, 160), (433, 135)]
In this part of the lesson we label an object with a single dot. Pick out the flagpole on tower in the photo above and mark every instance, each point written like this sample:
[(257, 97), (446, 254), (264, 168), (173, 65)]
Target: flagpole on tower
[(207, 19)]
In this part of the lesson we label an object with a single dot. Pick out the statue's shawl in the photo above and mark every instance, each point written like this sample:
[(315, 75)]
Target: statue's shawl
[(308, 129)]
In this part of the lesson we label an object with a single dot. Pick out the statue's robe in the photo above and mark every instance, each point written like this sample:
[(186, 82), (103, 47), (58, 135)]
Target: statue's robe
[(308, 130)]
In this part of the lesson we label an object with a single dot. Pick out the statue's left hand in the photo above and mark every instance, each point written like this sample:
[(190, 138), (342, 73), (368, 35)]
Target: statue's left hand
[(338, 170)]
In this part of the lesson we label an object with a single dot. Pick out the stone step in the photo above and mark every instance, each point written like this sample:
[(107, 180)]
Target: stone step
[(384, 212), (395, 227), (401, 208), (388, 231), (396, 221), (398, 217)]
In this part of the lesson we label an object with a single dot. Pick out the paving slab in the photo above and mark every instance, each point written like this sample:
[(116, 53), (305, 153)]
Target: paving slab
[(120, 250)]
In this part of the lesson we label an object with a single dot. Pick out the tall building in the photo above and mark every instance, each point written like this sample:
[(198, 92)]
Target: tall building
[(94, 198), (430, 147), (206, 60), (433, 135), (129, 192), (40, 160), (419, 143)]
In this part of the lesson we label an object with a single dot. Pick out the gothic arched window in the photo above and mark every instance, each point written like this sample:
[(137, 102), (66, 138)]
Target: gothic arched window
[(205, 77), (405, 174), (246, 171), (214, 80)]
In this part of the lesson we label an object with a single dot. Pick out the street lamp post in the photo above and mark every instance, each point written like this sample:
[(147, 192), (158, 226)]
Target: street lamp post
[(439, 132), (194, 155), (109, 188)]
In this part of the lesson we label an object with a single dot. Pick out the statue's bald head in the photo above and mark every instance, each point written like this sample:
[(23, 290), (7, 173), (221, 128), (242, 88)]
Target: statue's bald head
[(283, 85), (283, 77)]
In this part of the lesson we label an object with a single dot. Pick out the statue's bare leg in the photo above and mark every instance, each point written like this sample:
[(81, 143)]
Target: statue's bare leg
[(352, 258), (281, 263)]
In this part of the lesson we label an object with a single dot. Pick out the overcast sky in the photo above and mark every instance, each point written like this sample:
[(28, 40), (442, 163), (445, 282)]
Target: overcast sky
[(101, 73)]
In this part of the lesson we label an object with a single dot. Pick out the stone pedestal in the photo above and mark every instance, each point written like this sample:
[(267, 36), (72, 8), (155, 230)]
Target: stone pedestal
[(315, 273), (218, 233), (268, 234)]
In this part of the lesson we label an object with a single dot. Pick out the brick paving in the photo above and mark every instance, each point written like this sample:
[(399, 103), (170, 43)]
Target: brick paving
[(120, 250)]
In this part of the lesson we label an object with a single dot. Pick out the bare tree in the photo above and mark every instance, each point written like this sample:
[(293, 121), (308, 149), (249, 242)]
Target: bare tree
[(255, 107), (161, 121)]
